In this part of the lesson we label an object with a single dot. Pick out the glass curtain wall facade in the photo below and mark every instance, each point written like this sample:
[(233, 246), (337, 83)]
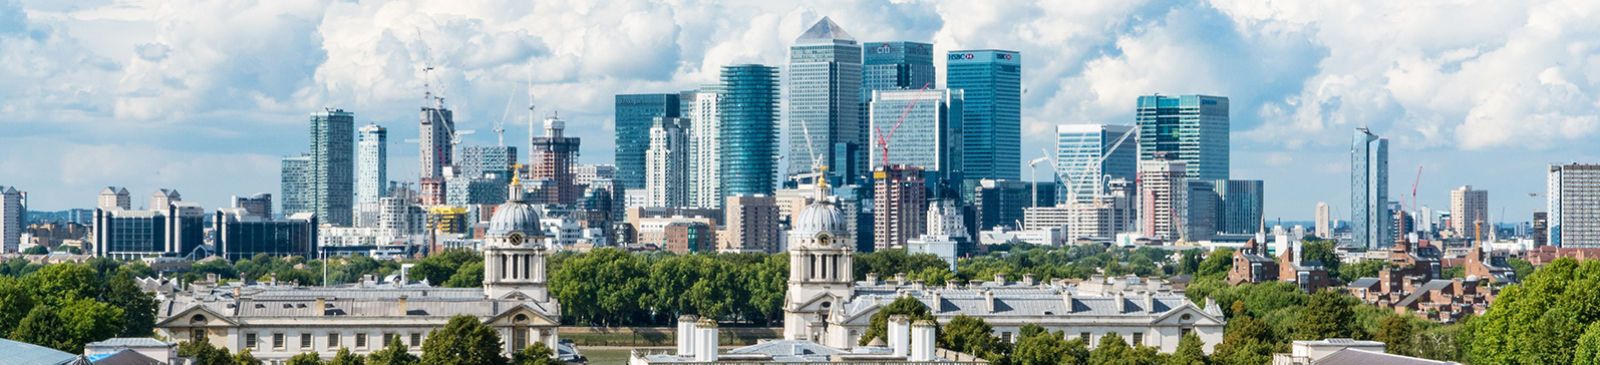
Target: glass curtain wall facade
[(1089, 155), (824, 99), (992, 113), (333, 166), (296, 185), (1242, 204), (927, 137), (372, 160), (1370, 223), (896, 66), (634, 114), (748, 109), (1192, 129)]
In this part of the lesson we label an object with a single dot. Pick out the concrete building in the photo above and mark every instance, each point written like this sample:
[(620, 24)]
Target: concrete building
[(752, 224), (1469, 213), (372, 163), (241, 235), (1573, 206), (13, 218), (688, 237), (1192, 129), (1324, 221), (1163, 211), (332, 167), (278, 320), (164, 197), (824, 92), (946, 233), (824, 304), (296, 185), (1087, 154), (705, 147), (653, 230), (464, 191), (899, 205), (554, 154), (926, 128), (909, 343), (172, 231), (438, 127), (585, 175), (259, 205), (114, 197), (1371, 225), (991, 128), (634, 115), (666, 165)]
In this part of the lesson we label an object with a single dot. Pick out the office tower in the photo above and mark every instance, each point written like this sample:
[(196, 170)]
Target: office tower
[(1370, 224), (332, 168), (174, 230), (1205, 210), (164, 197), (634, 115), (114, 197), (438, 127), (927, 136), (752, 224), (1470, 212), (1573, 206), (259, 205), (1000, 203), (13, 218), (372, 163), (487, 162), (554, 154), (824, 98), (1324, 221), (1088, 153), (748, 110), (665, 172), (1162, 190), (1188, 128), (242, 236), (296, 185), (896, 66), (584, 175), (705, 148), (1541, 229), (899, 205), (1242, 204), (992, 114), (466, 191)]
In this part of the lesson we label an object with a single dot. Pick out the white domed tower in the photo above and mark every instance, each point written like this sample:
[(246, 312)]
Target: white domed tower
[(514, 252), (820, 268)]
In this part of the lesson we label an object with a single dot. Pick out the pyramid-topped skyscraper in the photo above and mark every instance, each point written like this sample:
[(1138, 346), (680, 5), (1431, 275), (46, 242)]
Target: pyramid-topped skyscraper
[(824, 92)]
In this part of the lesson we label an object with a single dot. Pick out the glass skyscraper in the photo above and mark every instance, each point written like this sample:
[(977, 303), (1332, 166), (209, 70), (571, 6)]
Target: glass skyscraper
[(372, 164), (332, 168), (992, 115), (1241, 209), (1088, 153), (1189, 128), (1370, 223), (824, 98), (928, 137), (748, 108), (296, 185), (895, 66), (633, 117)]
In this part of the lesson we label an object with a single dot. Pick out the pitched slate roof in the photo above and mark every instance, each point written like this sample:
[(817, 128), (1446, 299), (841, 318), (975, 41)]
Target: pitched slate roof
[(1364, 357), (20, 353)]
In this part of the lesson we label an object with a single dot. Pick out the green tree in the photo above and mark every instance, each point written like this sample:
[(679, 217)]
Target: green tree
[(1522, 267), (59, 284), (1322, 251), (1246, 340), (1191, 351), (394, 354), (601, 286), (1030, 330), (205, 354), (245, 358), (44, 327), (16, 300), (766, 284), (463, 341), (1327, 315), (309, 358), (973, 336), (344, 357), (36, 250), (89, 321), (1588, 351), (1049, 349), (1396, 333), (1189, 264), (138, 306), (433, 271), (536, 354), (1541, 320), (878, 325), (469, 275), (1112, 350), (1217, 264)]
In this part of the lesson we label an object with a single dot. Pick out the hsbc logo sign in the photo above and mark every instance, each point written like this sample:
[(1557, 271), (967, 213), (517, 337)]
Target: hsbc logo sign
[(961, 56), (975, 57)]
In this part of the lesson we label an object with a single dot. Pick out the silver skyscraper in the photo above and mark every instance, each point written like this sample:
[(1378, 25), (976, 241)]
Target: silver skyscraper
[(824, 99)]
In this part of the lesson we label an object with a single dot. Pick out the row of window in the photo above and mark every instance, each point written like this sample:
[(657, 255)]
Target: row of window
[(334, 340)]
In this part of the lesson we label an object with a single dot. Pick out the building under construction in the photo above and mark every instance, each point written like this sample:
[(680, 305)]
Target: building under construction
[(900, 205), (553, 158)]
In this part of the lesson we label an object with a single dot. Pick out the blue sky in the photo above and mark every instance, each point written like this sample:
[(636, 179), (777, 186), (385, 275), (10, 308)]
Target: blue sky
[(206, 96)]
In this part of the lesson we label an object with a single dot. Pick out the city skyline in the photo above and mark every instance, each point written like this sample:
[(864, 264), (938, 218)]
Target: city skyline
[(1299, 148)]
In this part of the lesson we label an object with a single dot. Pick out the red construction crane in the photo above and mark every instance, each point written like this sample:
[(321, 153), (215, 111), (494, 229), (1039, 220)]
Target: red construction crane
[(883, 141), (1414, 191)]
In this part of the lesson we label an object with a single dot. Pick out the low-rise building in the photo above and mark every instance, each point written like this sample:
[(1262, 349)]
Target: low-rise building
[(1344, 351), (1251, 265), (241, 235), (908, 343)]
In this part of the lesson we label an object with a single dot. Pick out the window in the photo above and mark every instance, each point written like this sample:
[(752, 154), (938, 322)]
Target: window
[(198, 334), (197, 319), (1005, 336), (277, 340), (361, 340), (250, 340), (1085, 337), (1138, 339), (416, 339), (333, 341), (519, 339), (1187, 331), (1187, 316), (388, 338), (305, 340)]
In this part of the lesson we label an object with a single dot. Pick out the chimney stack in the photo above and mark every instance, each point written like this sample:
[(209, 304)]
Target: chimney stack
[(1150, 302), (1122, 303), (402, 306), (922, 341), (951, 284), (899, 279), (975, 284), (872, 279), (937, 302), (211, 277), (1027, 279), (1066, 301), (900, 334), (322, 307), (988, 297), (236, 292), (1000, 278), (707, 341), (686, 334), (917, 285)]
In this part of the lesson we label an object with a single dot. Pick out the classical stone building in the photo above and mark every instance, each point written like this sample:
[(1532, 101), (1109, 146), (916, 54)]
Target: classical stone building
[(278, 320)]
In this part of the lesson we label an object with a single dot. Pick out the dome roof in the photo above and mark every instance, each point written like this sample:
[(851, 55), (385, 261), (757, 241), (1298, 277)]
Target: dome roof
[(514, 216), (820, 216)]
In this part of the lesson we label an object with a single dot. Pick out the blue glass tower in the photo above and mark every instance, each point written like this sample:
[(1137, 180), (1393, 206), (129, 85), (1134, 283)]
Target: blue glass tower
[(1088, 153), (1191, 128), (1370, 223), (748, 109), (824, 98), (992, 118), (895, 66), (634, 115)]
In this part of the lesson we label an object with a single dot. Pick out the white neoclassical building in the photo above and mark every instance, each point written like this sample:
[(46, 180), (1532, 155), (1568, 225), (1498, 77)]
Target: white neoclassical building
[(825, 305), (279, 320)]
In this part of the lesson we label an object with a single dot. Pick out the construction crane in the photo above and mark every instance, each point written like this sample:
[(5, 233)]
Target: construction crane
[(1414, 190), (500, 127), (883, 141), (1034, 173)]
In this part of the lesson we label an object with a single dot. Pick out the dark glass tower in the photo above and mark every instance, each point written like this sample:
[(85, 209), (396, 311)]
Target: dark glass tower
[(748, 108), (992, 117), (332, 168), (1192, 129), (634, 114)]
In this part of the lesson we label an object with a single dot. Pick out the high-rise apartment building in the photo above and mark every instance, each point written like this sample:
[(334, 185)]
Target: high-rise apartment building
[(13, 218), (438, 126), (372, 164), (1324, 222), (752, 224), (332, 168), (487, 162), (1192, 129), (1469, 213), (164, 197), (899, 205), (1425, 224), (554, 154), (924, 134), (748, 112), (1243, 202), (824, 99), (259, 205), (634, 115), (1163, 190), (296, 185), (1205, 210), (705, 149), (1541, 229), (1573, 206), (1371, 225), (1088, 153), (992, 113), (666, 173), (114, 197)]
